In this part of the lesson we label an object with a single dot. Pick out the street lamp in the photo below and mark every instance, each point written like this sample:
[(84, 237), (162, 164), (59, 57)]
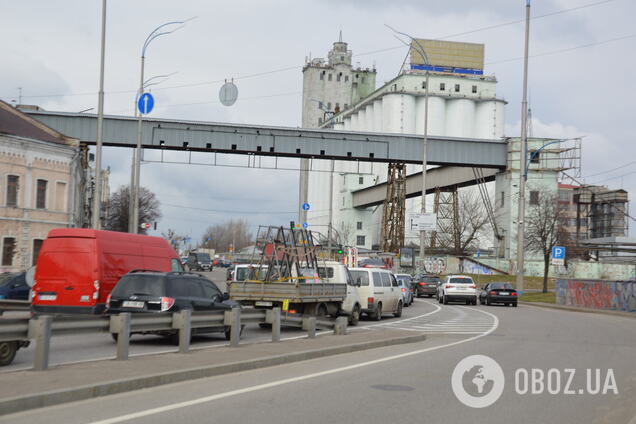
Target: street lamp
[(97, 193), (134, 208), (422, 52)]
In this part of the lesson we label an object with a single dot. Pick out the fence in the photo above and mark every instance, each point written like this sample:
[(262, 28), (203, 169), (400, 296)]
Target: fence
[(597, 294), (43, 327)]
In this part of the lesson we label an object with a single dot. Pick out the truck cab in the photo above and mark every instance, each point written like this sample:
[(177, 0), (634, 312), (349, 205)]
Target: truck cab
[(335, 272)]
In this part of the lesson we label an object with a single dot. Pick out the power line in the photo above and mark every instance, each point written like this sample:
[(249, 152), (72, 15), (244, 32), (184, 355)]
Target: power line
[(258, 212), (611, 170), (289, 68)]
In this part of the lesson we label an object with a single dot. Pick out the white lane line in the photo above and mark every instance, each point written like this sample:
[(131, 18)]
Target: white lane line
[(406, 319), (258, 387)]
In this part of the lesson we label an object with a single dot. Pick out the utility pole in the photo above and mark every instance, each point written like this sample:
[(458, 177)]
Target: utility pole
[(97, 193), (424, 162), (522, 158)]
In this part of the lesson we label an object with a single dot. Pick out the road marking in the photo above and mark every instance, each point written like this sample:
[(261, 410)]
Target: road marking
[(258, 387)]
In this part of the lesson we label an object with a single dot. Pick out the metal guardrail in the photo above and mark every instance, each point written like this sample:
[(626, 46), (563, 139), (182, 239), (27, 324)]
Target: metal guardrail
[(14, 305), (41, 328)]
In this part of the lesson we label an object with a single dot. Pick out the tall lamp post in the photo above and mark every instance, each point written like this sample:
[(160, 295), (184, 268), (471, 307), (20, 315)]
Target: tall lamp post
[(134, 207), (522, 159), (420, 49), (97, 192)]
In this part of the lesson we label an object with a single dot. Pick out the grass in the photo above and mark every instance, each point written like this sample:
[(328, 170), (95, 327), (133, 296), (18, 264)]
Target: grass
[(529, 283), (549, 297)]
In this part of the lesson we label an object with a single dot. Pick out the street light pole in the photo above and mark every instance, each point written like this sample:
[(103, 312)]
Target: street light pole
[(135, 184), (97, 192), (522, 159)]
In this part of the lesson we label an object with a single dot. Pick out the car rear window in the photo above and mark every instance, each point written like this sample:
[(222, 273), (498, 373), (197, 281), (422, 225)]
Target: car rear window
[(505, 286), (185, 287), (430, 279), (363, 276), (325, 272), (461, 281), (140, 285)]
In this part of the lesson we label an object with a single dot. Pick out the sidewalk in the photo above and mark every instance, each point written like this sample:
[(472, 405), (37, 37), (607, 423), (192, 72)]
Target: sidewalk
[(579, 309), (23, 390)]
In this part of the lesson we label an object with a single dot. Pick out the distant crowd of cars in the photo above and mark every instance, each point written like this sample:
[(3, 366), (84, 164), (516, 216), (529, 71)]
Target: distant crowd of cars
[(201, 261)]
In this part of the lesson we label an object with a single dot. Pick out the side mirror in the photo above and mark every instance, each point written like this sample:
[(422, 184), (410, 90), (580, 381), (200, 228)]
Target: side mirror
[(226, 296)]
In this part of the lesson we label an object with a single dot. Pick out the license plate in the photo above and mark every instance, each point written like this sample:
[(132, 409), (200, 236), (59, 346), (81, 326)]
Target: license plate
[(47, 297), (262, 303), (132, 304), (504, 293)]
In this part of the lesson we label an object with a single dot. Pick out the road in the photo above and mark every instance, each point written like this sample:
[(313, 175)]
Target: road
[(406, 383)]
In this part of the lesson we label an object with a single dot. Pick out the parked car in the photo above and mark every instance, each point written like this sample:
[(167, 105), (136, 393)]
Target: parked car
[(457, 288), (78, 267), (154, 292), (426, 285), (220, 262), (379, 292), (13, 286), (199, 261), (372, 263), (407, 291), (498, 293)]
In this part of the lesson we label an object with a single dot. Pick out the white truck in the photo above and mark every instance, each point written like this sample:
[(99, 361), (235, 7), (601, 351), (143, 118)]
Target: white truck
[(331, 293)]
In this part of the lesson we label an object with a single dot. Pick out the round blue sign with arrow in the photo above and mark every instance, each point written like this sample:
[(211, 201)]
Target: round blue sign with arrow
[(306, 206), (146, 103), (305, 225)]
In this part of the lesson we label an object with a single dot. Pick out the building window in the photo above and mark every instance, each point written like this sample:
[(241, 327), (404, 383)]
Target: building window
[(319, 123), (456, 88), (346, 106), (424, 85), (442, 86), (60, 196), (329, 106), (329, 77), (534, 197), (40, 199), (534, 158), (37, 245), (362, 80), (346, 78), (359, 225), (338, 77), (341, 58), (343, 202), (359, 240), (360, 180), (337, 108), (322, 75), (503, 198), (474, 89), (8, 251), (564, 196), (13, 184)]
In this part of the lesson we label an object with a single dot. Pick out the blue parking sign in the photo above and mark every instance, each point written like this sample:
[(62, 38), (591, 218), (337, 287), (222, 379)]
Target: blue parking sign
[(558, 252)]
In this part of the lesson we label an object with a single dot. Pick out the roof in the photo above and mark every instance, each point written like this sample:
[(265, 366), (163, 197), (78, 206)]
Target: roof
[(113, 236), (17, 123)]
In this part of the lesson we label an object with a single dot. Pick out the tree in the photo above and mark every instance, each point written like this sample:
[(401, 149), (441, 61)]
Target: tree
[(542, 228), (118, 209), (472, 224), (231, 233)]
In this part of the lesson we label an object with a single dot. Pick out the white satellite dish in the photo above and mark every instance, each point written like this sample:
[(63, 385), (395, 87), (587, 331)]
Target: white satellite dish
[(228, 93)]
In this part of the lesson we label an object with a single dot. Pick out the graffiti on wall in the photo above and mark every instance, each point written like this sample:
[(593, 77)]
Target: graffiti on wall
[(435, 265), (470, 267), (596, 294)]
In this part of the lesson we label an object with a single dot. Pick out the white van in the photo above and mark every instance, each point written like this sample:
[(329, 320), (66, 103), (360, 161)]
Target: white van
[(335, 272), (379, 292)]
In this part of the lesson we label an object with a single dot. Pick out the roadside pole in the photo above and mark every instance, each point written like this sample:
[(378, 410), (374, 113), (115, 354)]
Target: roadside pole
[(97, 192)]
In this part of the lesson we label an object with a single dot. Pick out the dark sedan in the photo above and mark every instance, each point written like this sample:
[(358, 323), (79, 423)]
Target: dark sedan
[(13, 286), (426, 285), (498, 293)]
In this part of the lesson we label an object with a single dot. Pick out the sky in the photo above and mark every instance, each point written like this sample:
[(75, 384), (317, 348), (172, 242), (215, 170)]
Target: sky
[(579, 82)]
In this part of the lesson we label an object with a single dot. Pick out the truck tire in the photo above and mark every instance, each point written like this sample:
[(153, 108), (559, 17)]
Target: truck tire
[(398, 311), (377, 315), (7, 352)]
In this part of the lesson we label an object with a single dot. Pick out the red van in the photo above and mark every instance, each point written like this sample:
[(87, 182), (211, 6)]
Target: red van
[(77, 268)]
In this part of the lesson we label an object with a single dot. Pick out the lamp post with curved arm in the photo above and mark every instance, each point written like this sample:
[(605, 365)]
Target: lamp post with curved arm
[(133, 221)]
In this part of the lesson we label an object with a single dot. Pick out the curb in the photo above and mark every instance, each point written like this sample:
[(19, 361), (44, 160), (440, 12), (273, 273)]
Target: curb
[(579, 309), (56, 397)]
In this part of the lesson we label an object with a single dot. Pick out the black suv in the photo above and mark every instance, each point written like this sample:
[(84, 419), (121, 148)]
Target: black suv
[(426, 285), (199, 261), (145, 291)]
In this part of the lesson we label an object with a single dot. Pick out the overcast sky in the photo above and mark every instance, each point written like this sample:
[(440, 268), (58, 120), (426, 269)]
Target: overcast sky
[(580, 78)]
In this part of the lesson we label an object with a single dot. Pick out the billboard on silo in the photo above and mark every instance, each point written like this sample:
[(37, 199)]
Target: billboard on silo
[(449, 54)]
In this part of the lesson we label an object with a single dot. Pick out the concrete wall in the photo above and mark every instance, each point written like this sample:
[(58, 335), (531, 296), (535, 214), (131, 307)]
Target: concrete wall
[(574, 269), (597, 294)]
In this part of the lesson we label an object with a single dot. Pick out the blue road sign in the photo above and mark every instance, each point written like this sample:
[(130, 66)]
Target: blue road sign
[(305, 225), (306, 206), (146, 103), (558, 252), (478, 253)]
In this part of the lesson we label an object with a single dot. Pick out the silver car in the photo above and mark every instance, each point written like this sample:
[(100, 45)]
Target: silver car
[(405, 288)]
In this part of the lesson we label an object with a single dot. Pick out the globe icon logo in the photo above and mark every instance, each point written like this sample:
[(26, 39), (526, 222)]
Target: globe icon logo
[(477, 381)]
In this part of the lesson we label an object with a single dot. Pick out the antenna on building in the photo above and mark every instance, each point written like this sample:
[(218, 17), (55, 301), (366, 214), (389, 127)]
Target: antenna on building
[(530, 132), (340, 37)]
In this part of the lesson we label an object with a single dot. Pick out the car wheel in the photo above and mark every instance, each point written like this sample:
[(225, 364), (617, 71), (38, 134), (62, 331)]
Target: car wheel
[(7, 352), (378, 313), (474, 302), (468, 302), (439, 299), (354, 318), (398, 312), (444, 299), (514, 304), (487, 302)]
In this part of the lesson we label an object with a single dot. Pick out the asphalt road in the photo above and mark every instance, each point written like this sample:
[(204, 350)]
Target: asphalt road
[(406, 383)]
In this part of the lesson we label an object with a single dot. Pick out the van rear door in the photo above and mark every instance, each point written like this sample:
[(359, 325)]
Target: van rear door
[(65, 275)]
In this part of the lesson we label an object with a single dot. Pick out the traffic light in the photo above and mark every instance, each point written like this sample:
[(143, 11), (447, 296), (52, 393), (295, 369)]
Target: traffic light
[(340, 251)]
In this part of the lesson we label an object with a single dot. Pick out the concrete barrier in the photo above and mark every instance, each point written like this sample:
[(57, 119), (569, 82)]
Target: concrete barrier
[(597, 294)]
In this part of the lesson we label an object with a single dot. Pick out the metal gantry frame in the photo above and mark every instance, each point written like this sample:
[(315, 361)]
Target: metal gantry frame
[(393, 215)]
